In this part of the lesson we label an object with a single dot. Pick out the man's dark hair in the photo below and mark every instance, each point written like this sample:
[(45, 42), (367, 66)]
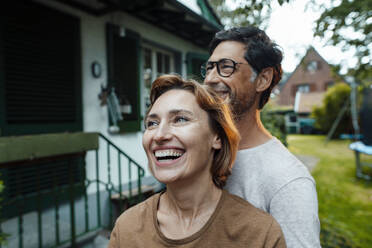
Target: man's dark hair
[(260, 53)]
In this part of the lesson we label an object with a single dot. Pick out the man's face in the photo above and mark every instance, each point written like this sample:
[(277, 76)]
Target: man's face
[(239, 88)]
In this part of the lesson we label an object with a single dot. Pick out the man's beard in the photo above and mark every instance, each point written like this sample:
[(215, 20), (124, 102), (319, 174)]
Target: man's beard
[(240, 107)]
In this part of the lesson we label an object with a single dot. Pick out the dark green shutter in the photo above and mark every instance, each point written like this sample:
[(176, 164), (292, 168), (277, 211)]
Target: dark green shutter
[(123, 62), (40, 92), (178, 62), (194, 62), (40, 82)]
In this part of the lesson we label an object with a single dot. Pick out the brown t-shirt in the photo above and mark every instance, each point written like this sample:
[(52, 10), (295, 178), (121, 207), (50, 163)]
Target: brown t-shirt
[(234, 223)]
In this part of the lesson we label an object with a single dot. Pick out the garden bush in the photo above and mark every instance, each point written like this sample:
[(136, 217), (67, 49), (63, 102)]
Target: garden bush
[(332, 237), (326, 114), (274, 123)]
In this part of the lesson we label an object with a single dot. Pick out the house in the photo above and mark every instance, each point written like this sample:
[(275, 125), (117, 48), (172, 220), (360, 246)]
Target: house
[(299, 120), (74, 85), (313, 74), (304, 89)]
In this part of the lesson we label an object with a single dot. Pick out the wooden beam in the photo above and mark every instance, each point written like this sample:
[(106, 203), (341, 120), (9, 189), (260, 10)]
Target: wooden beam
[(29, 147)]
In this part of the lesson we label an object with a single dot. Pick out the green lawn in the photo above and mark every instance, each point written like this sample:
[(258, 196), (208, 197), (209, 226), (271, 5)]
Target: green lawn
[(345, 203)]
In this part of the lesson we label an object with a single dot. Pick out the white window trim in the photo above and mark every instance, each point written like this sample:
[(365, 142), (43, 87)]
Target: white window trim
[(154, 50)]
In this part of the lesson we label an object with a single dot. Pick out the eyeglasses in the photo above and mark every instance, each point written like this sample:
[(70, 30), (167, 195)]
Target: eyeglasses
[(225, 67)]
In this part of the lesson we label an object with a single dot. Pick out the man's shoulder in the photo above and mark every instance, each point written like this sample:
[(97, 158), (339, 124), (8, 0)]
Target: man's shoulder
[(259, 173), (273, 159)]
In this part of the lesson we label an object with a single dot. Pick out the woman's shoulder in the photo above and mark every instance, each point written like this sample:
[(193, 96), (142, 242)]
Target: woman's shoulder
[(243, 223), (133, 216)]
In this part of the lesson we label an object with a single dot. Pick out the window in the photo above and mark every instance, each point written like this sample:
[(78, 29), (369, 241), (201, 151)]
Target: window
[(40, 92), (156, 62), (293, 118), (123, 58), (312, 66), (303, 88), (194, 62)]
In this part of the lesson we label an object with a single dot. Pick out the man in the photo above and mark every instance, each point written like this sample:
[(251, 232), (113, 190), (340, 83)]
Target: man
[(244, 66)]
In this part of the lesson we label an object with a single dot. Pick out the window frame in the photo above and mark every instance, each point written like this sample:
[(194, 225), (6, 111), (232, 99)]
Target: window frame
[(154, 71)]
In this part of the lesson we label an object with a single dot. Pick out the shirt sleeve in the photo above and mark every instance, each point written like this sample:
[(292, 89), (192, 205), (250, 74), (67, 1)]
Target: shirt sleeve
[(274, 237), (295, 208)]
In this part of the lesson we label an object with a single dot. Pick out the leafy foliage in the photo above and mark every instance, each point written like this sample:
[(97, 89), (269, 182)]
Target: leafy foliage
[(274, 123), (249, 12), (332, 237), (333, 102), (346, 23), (349, 24)]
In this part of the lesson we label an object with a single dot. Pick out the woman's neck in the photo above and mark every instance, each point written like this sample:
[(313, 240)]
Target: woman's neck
[(184, 209)]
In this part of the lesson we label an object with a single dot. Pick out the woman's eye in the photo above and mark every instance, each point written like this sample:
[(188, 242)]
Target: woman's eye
[(180, 119)]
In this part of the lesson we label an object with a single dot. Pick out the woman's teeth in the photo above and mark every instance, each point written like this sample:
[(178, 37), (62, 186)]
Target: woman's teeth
[(169, 154)]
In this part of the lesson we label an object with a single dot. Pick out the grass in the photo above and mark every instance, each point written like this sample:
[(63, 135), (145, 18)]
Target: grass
[(345, 202)]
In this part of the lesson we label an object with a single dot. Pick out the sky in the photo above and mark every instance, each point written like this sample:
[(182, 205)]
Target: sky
[(291, 27)]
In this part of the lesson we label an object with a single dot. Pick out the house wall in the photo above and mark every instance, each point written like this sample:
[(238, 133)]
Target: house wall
[(93, 48), (318, 80), (95, 119)]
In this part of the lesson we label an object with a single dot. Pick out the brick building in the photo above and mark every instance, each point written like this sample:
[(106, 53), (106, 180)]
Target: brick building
[(313, 74)]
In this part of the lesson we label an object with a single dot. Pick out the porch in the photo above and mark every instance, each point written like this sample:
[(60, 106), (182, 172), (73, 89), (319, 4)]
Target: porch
[(61, 190)]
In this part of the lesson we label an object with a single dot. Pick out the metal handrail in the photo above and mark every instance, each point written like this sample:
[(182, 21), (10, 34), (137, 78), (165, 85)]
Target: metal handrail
[(122, 152), (71, 191)]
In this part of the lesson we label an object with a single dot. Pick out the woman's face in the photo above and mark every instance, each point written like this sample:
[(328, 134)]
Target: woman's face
[(178, 140)]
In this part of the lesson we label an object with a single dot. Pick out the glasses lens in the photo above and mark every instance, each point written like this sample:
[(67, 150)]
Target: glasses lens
[(202, 71), (226, 67), (206, 68)]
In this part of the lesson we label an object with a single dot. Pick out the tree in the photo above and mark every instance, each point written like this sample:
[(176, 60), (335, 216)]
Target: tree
[(333, 102), (249, 12), (346, 23), (349, 25)]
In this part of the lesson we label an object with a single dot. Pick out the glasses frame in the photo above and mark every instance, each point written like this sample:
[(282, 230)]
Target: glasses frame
[(203, 67)]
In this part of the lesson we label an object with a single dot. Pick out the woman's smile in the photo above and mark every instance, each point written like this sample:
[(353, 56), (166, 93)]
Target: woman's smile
[(168, 156)]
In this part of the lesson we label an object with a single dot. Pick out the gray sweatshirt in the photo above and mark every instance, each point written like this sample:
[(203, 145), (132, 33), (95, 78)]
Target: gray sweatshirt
[(274, 180)]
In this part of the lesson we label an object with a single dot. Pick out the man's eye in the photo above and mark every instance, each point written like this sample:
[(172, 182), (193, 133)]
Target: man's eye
[(150, 124), (209, 67), (225, 66)]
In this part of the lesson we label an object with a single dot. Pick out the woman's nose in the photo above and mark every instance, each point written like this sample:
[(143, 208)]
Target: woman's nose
[(162, 133)]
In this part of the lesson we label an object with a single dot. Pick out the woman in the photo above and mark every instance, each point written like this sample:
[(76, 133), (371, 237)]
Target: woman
[(191, 142)]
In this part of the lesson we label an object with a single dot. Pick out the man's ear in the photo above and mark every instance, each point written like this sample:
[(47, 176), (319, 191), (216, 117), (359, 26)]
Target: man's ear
[(264, 79), (216, 142)]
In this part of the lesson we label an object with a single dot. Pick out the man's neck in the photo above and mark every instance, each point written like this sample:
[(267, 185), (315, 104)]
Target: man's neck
[(252, 131)]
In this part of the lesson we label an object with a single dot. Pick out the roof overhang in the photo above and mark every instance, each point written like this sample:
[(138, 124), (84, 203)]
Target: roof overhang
[(169, 15)]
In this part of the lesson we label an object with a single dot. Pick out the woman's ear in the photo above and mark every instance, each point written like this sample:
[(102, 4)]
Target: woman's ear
[(264, 79), (216, 142)]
